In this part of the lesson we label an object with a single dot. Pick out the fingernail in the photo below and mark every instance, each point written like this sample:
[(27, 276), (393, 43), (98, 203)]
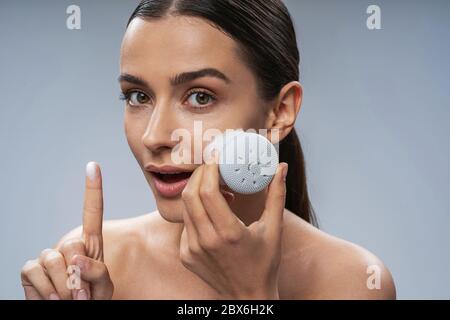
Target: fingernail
[(91, 170), (82, 294), (53, 296), (216, 156), (285, 171), (229, 196)]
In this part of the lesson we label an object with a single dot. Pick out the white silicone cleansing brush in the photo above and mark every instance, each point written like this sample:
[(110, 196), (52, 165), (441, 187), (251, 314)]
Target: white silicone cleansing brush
[(247, 160)]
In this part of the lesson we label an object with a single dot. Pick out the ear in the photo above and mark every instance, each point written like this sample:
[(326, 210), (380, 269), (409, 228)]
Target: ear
[(281, 117)]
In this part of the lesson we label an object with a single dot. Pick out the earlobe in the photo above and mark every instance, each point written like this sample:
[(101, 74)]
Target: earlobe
[(284, 112)]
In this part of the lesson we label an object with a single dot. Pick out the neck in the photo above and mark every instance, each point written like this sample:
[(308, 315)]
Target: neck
[(249, 208)]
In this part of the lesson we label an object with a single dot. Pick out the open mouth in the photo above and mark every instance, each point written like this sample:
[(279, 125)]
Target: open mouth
[(172, 177), (170, 184)]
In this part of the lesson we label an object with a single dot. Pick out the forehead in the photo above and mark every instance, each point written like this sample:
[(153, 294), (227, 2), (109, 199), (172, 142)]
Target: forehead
[(176, 43)]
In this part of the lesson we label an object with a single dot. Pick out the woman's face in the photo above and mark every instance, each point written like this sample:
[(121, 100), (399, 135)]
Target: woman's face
[(159, 101)]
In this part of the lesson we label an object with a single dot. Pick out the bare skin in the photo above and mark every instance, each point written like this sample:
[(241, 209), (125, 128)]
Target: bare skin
[(251, 246), (314, 265)]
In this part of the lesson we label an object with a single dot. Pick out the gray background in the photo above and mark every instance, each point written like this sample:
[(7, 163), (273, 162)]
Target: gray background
[(374, 126)]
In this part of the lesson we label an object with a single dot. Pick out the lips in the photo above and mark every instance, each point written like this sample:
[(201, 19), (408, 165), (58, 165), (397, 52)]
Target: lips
[(172, 177), (169, 181)]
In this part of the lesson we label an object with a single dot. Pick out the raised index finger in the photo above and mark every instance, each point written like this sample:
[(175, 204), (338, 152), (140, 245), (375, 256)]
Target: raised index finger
[(93, 212)]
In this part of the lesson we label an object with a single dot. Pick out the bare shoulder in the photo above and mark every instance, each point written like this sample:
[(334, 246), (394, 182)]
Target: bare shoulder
[(327, 267)]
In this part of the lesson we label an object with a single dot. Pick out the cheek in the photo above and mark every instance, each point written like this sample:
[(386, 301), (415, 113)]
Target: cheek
[(245, 111), (133, 134), (241, 116), (254, 115)]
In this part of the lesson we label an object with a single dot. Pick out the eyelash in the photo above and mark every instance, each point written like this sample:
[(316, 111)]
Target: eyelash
[(126, 97), (209, 94)]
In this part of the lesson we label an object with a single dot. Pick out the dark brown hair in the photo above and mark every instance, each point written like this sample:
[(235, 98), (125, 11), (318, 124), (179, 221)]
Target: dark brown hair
[(267, 42)]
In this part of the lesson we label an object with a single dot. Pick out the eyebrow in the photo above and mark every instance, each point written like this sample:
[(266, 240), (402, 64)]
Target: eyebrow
[(179, 78), (192, 75), (125, 77)]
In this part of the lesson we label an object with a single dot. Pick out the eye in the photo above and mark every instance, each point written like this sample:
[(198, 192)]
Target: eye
[(200, 98), (135, 98)]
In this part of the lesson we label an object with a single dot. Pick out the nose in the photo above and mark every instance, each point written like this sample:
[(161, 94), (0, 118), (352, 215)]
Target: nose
[(162, 123)]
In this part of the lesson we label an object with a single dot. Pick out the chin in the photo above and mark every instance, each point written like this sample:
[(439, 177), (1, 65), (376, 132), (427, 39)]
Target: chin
[(171, 210)]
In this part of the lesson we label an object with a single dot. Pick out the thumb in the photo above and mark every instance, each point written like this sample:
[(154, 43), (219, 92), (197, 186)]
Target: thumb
[(276, 198), (96, 273)]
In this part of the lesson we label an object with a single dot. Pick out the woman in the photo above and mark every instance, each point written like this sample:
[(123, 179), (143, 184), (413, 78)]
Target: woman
[(228, 65)]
